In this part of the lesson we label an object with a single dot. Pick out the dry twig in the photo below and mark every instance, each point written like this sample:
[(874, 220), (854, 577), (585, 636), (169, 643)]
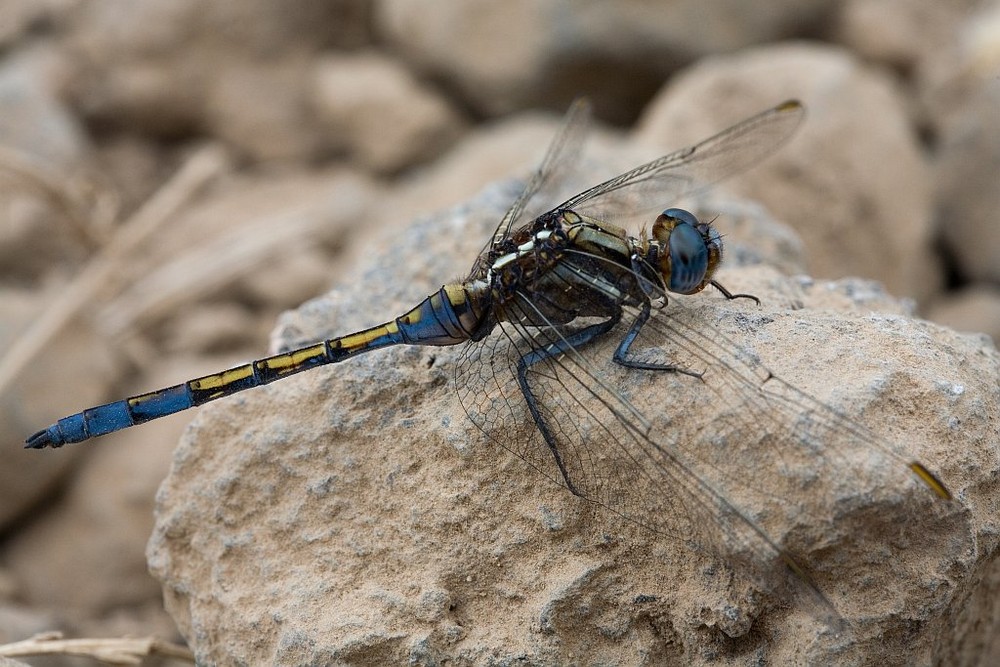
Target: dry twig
[(113, 651)]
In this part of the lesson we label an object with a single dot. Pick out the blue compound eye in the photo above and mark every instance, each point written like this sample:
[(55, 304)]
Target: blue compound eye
[(681, 215), (688, 253)]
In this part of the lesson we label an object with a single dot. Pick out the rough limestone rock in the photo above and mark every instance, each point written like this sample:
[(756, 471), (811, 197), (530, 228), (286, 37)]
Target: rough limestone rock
[(354, 515)]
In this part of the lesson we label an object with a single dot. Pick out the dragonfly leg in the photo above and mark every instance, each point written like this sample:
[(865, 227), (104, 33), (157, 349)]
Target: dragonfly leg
[(729, 295), (551, 351), (620, 357)]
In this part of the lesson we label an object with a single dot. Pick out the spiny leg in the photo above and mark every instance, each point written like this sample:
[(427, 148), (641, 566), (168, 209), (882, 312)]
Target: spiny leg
[(621, 359), (633, 332), (550, 351)]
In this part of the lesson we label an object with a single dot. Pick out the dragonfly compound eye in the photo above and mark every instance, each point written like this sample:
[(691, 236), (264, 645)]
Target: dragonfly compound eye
[(688, 259), (687, 263), (680, 216)]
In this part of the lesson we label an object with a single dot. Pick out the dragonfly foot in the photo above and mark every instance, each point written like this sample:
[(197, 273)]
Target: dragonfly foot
[(730, 296)]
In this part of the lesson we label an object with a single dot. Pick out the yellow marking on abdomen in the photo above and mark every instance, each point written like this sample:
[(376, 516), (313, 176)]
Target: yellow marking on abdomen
[(281, 364), (362, 339), (223, 379)]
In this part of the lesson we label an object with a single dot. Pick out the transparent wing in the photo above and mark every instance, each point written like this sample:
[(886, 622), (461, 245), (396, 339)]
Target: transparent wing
[(651, 187), (562, 153), (670, 451), (612, 454)]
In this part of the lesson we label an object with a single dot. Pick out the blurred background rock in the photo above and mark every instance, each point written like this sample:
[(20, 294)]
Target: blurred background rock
[(174, 174)]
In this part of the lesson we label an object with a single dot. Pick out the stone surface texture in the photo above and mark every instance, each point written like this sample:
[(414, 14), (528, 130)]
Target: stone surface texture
[(355, 515)]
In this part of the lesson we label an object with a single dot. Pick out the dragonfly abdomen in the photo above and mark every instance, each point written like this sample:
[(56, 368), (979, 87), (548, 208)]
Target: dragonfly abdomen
[(448, 317)]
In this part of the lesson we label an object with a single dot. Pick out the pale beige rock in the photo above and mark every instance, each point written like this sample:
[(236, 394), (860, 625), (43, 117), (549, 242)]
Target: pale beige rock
[(263, 109), (17, 17), (976, 308), (135, 166), (18, 622), (63, 559), (958, 69), (34, 120), (966, 170), (493, 151), (84, 555), (975, 643), (304, 271), (501, 149), (248, 226), (853, 182), (900, 33), (959, 94), (462, 40), (375, 108), (355, 515), (209, 327), (130, 71), (133, 83), (504, 56)]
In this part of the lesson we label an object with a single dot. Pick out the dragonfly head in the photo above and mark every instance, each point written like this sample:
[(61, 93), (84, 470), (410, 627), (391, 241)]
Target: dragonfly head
[(691, 251)]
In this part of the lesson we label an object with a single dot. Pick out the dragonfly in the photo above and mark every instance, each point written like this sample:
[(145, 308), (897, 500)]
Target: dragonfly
[(543, 291)]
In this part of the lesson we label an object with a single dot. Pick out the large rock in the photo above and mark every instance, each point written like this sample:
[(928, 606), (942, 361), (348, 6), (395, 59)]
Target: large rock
[(376, 109), (355, 515), (967, 183), (896, 32)]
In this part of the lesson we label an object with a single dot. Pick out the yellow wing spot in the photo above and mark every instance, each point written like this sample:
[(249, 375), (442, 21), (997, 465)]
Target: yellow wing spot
[(790, 105), (221, 380), (937, 486)]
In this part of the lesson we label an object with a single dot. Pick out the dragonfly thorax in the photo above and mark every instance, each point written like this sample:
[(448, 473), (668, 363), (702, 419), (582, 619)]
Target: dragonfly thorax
[(527, 254)]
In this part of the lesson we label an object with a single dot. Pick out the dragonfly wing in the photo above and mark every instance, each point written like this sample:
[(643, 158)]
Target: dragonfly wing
[(578, 408), (608, 451), (655, 185), (562, 153), (811, 443)]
